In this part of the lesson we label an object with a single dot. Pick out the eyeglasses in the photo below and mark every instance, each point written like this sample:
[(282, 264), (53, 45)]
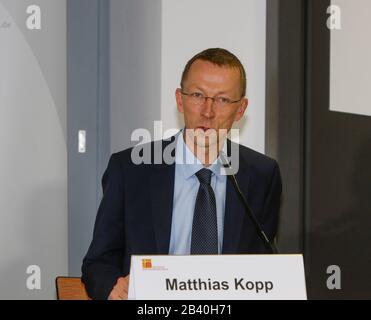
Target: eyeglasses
[(198, 99)]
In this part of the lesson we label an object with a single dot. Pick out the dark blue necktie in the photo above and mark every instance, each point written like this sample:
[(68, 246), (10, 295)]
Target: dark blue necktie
[(204, 227)]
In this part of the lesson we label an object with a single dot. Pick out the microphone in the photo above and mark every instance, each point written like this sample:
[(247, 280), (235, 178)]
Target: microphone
[(268, 244)]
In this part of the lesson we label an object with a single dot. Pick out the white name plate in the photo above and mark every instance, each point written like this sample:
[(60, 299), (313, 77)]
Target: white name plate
[(217, 277)]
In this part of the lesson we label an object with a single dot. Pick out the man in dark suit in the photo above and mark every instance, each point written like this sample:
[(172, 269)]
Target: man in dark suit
[(185, 207)]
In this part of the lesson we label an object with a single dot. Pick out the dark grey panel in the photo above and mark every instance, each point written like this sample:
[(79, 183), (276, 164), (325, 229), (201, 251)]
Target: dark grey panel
[(338, 178), (284, 112)]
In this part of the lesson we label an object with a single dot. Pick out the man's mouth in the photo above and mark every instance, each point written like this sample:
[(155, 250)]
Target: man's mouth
[(204, 129)]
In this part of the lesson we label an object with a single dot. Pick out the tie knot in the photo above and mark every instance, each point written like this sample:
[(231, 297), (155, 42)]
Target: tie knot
[(204, 176)]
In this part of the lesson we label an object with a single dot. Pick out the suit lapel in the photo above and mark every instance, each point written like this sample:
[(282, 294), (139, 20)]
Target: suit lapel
[(234, 213), (162, 193)]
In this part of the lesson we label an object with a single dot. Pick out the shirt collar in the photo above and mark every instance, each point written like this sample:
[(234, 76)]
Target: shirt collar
[(189, 163)]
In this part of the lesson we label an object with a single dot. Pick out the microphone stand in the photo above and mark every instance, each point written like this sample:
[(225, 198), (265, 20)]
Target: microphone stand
[(271, 246)]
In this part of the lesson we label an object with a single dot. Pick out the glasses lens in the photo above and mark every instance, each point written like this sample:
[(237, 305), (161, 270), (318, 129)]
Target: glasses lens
[(197, 99)]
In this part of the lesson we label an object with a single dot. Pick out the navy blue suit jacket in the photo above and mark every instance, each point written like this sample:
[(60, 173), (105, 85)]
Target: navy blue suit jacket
[(135, 213)]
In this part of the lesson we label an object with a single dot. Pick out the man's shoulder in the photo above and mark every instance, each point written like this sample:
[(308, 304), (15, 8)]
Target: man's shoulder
[(146, 154), (253, 156), (255, 160), (257, 167)]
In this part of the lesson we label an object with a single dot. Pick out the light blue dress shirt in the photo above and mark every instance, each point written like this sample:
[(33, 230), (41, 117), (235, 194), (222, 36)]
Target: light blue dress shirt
[(185, 192)]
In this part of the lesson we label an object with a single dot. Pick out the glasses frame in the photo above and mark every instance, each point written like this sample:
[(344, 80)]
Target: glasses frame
[(206, 97)]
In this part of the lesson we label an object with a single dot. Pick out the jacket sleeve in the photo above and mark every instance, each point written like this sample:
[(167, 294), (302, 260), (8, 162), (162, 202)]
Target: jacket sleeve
[(272, 204), (103, 263)]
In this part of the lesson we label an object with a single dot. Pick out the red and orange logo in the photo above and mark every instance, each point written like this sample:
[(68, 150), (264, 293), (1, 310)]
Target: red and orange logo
[(147, 263)]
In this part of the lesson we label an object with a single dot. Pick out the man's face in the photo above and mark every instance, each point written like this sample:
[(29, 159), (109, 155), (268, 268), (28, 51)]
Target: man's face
[(208, 118)]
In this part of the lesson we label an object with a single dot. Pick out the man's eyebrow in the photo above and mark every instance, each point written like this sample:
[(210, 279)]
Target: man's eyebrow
[(203, 90), (199, 88)]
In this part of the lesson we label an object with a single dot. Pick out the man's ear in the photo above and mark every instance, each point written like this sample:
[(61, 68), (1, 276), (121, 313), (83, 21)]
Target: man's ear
[(179, 101), (241, 109)]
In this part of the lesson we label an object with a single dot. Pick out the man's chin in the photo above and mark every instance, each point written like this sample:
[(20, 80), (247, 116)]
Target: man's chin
[(204, 138), (206, 144)]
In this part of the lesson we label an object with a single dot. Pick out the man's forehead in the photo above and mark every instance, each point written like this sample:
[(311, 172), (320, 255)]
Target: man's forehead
[(206, 74), (205, 65)]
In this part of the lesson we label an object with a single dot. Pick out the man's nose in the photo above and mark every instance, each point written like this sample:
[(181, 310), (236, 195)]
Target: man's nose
[(208, 108)]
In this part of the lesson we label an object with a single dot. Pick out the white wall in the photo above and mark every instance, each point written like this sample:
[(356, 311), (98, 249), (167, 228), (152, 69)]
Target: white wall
[(33, 162), (350, 66), (190, 26)]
